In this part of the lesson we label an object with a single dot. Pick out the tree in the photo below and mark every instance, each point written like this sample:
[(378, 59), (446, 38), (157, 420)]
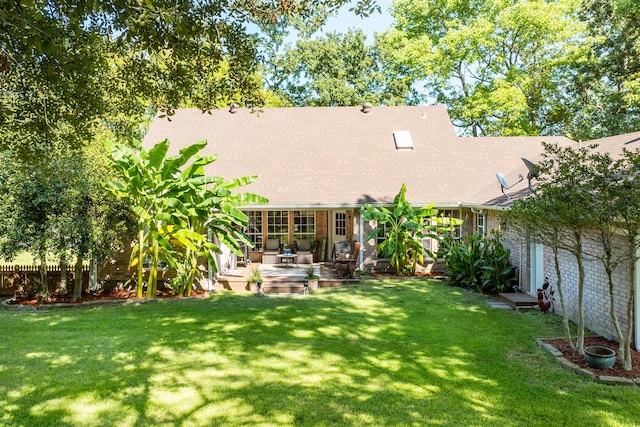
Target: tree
[(205, 206), (534, 217), (589, 196), (337, 70), (500, 67), (572, 201), (608, 87), (178, 205), (617, 194), (61, 60), (567, 179), (405, 227), (54, 214)]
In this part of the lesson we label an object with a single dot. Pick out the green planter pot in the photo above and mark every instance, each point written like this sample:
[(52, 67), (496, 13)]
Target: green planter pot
[(599, 357)]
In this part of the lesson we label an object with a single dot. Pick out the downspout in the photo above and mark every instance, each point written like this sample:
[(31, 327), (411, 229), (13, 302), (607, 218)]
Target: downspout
[(636, 300), (361, 239)]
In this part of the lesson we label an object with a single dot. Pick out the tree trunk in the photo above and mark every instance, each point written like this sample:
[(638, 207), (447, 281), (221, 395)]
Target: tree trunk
[(63, 276), (633, 258), (93, 273), (608, 263), (153, 271), (192, 274), (44, 277), (622, 346), (563, 307), (139, 287), (77, 279), (580, 261)]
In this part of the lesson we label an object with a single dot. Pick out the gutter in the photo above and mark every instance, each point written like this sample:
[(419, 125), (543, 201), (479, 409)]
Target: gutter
[(477, 206), (303, 207)]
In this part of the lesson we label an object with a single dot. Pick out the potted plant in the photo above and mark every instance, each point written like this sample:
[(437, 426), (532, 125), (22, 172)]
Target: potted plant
[(255, 281), (311, 278)]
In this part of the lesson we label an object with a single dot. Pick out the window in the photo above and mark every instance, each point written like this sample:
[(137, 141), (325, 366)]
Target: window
[(254, 228), (304, 225), (381, 237), (430, 245), (341, 224), (278, 225), (481, 224), (452, 213)]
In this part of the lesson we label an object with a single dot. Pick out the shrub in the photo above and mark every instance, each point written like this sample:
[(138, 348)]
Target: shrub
[(478, 263)]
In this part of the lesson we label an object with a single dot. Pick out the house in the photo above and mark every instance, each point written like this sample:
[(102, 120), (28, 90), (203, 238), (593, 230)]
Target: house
[(318, 167)]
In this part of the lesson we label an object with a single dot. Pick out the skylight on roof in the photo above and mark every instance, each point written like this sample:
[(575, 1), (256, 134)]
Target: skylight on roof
[(403, 140)]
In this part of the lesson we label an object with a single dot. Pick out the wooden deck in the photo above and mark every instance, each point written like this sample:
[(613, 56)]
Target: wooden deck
[(519, 300), (279, 279)]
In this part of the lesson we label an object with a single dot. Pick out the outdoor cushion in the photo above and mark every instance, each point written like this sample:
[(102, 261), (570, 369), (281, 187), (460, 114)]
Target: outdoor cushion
[(304, 245), (343, 247), (272, 245)]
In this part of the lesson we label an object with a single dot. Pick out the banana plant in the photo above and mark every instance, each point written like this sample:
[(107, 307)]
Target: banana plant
[(176, 207), (205, 206), (141, 185), (405, 227)]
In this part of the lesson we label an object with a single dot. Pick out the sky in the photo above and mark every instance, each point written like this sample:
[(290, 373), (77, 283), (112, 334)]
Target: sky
[(374, 23)]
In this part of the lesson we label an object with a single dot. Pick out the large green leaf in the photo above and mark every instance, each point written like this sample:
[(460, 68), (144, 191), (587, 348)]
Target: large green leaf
[(157, 154)]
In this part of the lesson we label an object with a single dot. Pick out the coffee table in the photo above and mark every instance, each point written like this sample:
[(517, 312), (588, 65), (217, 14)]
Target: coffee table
[(287, 259)]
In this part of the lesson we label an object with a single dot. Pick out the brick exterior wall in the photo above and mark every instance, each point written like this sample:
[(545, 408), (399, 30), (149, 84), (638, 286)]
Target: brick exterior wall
[(518, 246), (596, 303)]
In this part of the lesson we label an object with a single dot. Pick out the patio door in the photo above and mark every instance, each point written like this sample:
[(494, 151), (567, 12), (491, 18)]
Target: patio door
[(338, 229)]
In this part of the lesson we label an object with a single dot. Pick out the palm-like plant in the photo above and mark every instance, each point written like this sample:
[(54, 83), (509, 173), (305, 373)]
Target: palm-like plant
[(405, 226), (176, 207), (204, 206)]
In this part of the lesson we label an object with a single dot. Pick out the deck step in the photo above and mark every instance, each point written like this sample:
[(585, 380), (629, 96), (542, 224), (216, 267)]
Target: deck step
[(519, 300)]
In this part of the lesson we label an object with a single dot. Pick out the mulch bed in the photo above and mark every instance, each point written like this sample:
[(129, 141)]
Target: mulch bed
[(115, 295), (616, 371)]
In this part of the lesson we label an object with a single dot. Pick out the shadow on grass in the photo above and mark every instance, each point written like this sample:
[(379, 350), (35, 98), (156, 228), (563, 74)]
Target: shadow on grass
[(381, 353)]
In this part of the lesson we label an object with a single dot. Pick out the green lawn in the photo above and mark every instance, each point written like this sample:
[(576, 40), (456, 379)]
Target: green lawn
[(25, 258), (392, 353)]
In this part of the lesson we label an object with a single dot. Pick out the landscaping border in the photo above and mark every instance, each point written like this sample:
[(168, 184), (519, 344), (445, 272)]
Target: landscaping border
[(4, 304), (572, 367)]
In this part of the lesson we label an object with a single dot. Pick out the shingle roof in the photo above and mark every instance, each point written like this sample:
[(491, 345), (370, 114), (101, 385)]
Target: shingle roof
[(340, 156), (615, 144)]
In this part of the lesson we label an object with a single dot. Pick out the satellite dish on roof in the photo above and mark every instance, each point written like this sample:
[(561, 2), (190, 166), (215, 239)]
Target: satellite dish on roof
[(534, 172), (502, 180), (504, 185), (533, 169)]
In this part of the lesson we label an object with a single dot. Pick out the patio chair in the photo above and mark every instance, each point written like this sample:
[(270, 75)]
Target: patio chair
[(346, 264), (305, 248), (341, 249), (270, 251)]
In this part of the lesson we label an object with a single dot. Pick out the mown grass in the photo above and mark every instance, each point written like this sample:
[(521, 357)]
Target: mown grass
[(383, 353)]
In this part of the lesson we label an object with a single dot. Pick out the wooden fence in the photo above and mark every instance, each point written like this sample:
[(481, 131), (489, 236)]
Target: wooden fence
[(18, 278)]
